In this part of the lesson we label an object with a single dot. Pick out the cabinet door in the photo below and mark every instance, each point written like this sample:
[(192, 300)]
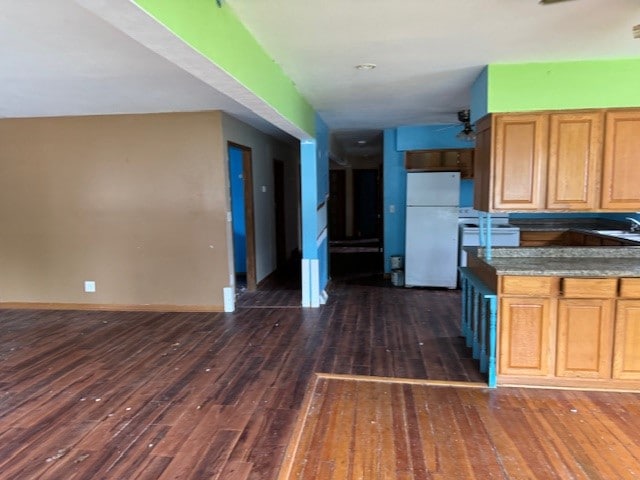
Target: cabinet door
[(482, 169), (621, 175), (592, 240), (423, 160), (461, 160), (524, 336), (584, 338), (626, 351), (576, 239), (575, 149), (541, 238), (520, 161)]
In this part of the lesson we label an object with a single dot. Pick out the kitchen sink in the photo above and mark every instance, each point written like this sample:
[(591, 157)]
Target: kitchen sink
[(625, 234), (614, 232)]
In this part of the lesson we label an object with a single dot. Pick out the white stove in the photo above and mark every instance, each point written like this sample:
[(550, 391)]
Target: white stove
[(503, 234)]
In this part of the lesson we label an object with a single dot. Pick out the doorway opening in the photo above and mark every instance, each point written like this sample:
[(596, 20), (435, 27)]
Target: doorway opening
[(242, 216), (355, 222)]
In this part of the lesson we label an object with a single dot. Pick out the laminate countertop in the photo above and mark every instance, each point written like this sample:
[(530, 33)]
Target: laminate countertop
[(562, 261)]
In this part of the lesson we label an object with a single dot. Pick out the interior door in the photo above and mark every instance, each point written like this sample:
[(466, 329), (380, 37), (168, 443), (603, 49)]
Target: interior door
[(238, 220), (337, 205), (242, 212), (278, 193)]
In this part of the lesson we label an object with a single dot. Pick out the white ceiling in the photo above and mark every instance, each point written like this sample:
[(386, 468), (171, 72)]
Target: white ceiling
[(57, 58), (428, 52)]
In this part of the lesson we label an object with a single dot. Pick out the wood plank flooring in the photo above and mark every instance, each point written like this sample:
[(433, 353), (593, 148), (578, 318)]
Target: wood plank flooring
[(89, 395), (380, 430), (114, 395)]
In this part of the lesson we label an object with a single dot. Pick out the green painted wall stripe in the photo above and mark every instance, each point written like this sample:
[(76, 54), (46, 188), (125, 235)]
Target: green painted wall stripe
[(217, 34), (564, 85)]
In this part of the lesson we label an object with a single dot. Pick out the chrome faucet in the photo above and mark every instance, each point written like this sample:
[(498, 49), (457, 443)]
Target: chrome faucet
[(635, 224)]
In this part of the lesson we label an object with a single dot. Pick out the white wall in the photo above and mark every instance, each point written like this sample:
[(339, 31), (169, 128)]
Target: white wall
[(264, 149)]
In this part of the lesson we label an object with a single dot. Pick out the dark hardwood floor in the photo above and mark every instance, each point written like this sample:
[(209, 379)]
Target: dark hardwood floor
[(116, 395), (113, 395)]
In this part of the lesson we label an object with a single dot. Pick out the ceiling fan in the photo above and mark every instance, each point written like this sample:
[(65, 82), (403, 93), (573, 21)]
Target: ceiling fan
[(635, 30), (467, 133)]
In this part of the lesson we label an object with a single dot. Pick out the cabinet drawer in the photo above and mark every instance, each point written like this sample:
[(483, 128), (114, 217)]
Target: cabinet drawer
[(528, 285), (589, 287), (630, 287)]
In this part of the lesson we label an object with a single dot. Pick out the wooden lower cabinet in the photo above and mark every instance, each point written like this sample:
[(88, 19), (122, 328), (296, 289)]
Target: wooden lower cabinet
[(585, 338), (524, 335), (571, 332), (542, 238), (626, 353)]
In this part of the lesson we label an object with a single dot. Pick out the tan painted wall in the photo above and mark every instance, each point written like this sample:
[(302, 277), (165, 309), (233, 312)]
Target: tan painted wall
[(135, 202)]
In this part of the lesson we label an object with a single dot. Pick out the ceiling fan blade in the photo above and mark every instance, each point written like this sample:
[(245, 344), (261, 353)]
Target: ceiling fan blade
[(548, 2)]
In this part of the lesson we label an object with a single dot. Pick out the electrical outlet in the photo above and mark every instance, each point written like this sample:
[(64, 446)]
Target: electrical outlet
[(89, 286)]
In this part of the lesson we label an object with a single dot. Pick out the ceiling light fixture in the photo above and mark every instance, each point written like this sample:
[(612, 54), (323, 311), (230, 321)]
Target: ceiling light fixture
[(467, 134), (361, 142), (366, 66)]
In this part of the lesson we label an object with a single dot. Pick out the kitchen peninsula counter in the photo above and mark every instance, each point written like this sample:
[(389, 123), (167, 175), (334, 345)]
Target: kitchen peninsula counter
[(571, 232), (566, 316), (562, 261)]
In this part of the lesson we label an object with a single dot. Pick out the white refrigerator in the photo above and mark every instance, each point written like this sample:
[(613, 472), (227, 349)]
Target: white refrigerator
[(431, 244)]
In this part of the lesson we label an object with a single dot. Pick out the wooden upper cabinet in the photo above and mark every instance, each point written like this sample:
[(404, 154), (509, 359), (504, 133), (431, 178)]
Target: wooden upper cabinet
[(582, 160), (483, 168), (460, 160), (520, 151), (621, 164), (575, 149)]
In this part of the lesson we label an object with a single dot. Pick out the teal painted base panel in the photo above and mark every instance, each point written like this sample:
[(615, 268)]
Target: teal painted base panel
[(479, 322)]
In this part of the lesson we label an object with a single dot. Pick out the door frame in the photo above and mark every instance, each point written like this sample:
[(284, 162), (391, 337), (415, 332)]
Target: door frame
[(280, 214), (247, 173)]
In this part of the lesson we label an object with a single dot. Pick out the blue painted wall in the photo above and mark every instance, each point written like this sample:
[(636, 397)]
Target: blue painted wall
[(309, 200), (236, 182), (424, 137), (396, 142), (314, 170), (466, 193), (480, 96), (394, 198)]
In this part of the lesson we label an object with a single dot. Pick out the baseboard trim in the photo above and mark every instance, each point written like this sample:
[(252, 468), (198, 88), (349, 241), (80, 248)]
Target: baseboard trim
[(110, 307)]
